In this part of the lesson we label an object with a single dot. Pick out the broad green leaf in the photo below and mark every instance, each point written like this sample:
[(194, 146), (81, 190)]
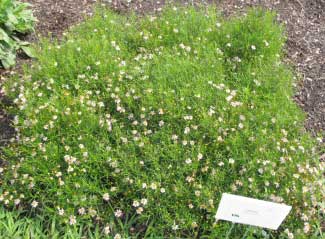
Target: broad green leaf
[(4, 36), (15, 16), (12, 18), (28, 51), (9, 60)]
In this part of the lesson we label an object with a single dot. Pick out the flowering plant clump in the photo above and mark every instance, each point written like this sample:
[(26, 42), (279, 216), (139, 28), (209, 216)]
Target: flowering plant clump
[(144, 123)]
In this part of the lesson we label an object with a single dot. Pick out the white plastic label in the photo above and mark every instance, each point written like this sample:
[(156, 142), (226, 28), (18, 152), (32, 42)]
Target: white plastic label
[(239, 209)]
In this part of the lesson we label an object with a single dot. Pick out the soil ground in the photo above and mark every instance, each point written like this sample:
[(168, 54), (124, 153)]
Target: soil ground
[(304, 20)]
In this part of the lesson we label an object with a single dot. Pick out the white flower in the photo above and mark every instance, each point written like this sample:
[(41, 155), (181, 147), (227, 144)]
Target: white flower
[(118, 213), (136, 204), (174, 137), (304, 217), (70, 169), (257, 82), (175, 226), (106, 197), (81, 211), (107, 230), (72, 220), (124, 140), (139, 210), (17, 201), (117, 236), (211, 112), (231, 161), (253, 47), (61, 183), (188, 161), (161, 123), (153, 186), (162, 190), (92, 212), (200, 156), (34, 204), (229, 98), (61, 211), (187, 130), (144, 201), (306, 227), (194, 224)]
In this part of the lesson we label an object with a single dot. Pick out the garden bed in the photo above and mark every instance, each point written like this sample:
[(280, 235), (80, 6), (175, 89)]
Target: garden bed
[(239, 139)]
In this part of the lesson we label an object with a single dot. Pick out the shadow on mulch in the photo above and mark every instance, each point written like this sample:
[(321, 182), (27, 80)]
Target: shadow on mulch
[(6, 131)]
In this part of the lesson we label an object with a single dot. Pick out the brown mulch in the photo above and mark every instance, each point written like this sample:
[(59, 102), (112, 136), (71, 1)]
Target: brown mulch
[(304, 20), (56, 16)]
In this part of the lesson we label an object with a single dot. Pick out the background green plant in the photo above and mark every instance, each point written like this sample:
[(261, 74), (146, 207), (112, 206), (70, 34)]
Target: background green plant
[(15, 18), (89, 122)]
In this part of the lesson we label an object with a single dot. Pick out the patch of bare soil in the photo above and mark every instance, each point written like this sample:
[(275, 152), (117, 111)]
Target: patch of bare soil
[(5, 130), (56, 16)]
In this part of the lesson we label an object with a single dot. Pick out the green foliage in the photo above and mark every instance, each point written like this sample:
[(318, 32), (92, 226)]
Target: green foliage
[(140, 125), (15, 19), (17, 225)]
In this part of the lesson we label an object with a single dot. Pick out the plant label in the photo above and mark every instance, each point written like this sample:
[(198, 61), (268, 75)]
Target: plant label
[(244, 210)]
